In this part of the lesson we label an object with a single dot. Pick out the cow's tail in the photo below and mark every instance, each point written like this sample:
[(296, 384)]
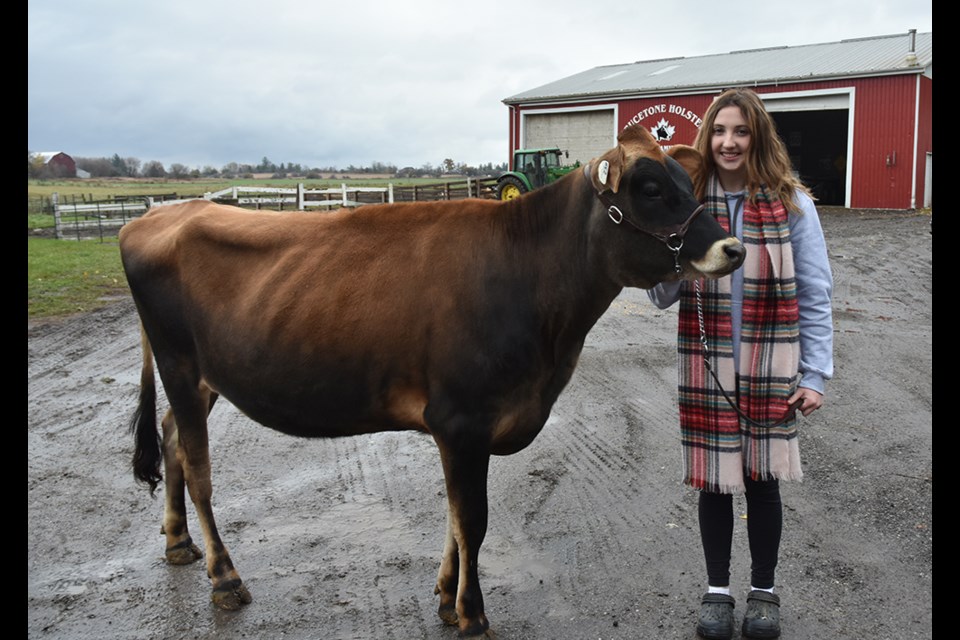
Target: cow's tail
[(147, 453)]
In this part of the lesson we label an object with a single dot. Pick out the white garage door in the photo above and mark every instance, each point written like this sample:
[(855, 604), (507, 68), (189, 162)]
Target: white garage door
[(585, 134)]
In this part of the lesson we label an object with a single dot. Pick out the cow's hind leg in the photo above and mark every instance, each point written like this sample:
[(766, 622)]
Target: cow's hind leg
[(193, 456), (180, 546)]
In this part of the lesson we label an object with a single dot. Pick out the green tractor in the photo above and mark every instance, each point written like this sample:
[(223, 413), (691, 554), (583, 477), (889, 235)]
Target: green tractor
[(533, 168)]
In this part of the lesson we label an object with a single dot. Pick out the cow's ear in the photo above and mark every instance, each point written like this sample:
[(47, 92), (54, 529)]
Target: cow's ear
[(689, 158), (634, 142), (606, 170)]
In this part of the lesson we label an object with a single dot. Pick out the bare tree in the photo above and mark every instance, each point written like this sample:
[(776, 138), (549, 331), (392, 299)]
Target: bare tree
[(154, 169), (133, 166)]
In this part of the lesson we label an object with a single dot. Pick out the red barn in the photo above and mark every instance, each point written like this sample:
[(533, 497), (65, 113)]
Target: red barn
[(856, 115), (60, 162)]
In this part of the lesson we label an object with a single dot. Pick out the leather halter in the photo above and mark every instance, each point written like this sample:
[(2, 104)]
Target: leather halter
[(671, 236)]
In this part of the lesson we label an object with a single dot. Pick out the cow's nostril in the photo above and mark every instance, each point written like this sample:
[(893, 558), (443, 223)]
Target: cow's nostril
[(735, 252)]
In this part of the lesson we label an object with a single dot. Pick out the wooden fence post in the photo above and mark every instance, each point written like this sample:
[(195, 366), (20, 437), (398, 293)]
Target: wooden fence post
[(55, 203)]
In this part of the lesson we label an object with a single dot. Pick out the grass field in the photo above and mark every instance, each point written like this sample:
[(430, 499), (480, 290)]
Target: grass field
[(71, 277)]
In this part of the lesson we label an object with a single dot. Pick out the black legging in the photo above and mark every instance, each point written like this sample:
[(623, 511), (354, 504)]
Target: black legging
[(764, 525)]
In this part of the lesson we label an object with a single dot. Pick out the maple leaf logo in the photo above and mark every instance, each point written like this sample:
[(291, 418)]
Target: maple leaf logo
[(663, 130)]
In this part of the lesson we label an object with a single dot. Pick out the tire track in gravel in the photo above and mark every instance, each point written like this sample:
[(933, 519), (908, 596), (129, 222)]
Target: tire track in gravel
[(586, 478), (336, 518)]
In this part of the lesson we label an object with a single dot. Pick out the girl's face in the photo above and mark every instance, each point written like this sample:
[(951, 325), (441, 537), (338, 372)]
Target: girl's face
[(729, 144)]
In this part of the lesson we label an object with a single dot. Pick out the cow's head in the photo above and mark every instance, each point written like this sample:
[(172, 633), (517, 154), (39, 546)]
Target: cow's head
[(651, 232)]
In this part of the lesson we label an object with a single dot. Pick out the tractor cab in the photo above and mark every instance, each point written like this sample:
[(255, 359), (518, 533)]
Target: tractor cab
[(532, 169)]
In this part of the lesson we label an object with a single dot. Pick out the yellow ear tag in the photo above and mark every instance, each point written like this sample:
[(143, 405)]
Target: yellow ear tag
[(602, 170)]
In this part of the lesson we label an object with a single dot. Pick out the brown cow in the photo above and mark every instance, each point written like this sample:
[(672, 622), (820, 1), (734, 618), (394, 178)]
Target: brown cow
[(460, 319)]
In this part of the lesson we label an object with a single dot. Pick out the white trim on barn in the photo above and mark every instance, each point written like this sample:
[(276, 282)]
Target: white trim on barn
[(811, 100), (916, 147), (839, 99)]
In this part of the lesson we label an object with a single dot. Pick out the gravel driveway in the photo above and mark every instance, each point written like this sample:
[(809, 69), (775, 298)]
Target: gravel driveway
[(591, 534)]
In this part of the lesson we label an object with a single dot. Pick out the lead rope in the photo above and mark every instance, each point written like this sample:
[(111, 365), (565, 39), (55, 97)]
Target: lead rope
[(791, 410)]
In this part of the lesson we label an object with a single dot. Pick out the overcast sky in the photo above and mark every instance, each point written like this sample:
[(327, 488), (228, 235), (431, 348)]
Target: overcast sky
[(207, 82)]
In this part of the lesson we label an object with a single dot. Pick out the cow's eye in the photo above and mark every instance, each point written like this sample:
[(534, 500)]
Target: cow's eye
[(651, 190)]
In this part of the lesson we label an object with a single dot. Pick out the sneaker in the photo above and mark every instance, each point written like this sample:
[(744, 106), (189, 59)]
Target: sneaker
[(716, 616), (762, 619)]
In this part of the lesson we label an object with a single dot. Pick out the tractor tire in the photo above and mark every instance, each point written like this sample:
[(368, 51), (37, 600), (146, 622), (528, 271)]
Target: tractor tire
[(510, 188)]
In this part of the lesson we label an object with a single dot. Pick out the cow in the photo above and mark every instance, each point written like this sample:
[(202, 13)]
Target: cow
[(460, 319)]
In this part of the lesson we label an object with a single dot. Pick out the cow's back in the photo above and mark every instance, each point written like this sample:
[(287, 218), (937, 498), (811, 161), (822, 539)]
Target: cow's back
[(331, 305)]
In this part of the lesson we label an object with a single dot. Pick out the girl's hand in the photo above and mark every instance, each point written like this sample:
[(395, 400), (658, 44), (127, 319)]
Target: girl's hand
[(811, 400)]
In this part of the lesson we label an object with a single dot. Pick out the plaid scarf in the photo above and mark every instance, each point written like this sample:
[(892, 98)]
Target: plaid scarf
[(718, 447)]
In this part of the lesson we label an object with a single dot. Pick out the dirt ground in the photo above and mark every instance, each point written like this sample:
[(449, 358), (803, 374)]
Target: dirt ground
[(592, 535)]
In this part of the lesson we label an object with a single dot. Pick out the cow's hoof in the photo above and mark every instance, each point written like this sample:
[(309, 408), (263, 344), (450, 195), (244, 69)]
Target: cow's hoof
[(478, 628), (448, 613), (231, 596), (184, 553)]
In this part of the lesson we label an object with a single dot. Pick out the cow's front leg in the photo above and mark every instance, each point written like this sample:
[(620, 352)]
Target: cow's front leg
[(465, 465), (447, 577)]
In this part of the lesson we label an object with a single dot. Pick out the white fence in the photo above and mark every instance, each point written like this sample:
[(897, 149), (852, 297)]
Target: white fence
[(99, 218), (83, 220), (298, 195)]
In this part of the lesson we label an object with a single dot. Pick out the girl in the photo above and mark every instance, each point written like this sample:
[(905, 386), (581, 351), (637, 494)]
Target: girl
[(769, 344)]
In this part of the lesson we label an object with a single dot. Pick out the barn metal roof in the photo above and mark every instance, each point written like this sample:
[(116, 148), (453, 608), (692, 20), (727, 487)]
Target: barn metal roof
[(47, 156), (880, 55)]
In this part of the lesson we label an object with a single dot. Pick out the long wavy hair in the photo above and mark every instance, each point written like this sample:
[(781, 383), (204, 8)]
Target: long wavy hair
[(768, 162)]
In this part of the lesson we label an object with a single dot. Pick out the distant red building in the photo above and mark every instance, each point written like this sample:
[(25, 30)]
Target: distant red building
[(61, 162)]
